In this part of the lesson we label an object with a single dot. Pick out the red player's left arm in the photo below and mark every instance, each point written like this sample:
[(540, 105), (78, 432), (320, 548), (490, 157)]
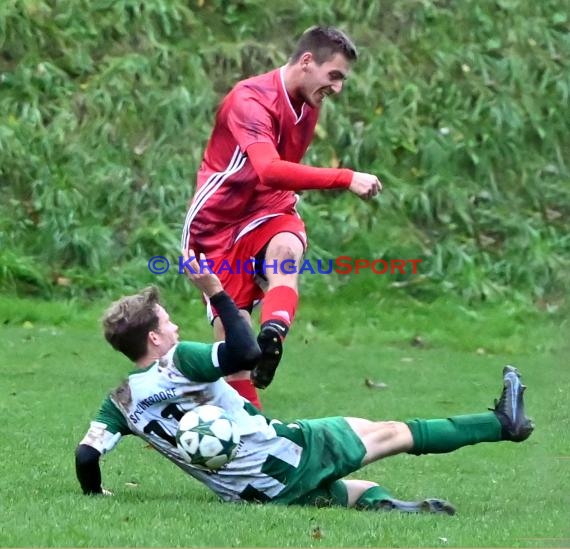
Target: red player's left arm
[(290, 176)]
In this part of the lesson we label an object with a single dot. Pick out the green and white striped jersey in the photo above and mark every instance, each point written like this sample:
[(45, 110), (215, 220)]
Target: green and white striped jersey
[(151, 402)]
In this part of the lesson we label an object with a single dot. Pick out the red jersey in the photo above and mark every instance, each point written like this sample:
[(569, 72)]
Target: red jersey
[(230, 199)]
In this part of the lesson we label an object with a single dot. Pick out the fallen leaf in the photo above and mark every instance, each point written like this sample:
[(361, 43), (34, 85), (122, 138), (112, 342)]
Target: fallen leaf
[(335, 162), (374, 384), (417, 341), (317, 533), (418, 279), (486, 240), (552, 215)]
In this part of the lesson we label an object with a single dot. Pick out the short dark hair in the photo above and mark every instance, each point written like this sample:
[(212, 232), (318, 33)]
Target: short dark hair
[(323, 43), (128, 321)]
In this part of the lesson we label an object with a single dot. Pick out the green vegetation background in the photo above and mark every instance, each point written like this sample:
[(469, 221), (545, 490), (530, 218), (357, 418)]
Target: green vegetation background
[(461, 108)]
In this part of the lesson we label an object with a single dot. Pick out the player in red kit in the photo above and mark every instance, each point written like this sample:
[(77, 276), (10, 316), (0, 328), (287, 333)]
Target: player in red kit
[(243, 215)]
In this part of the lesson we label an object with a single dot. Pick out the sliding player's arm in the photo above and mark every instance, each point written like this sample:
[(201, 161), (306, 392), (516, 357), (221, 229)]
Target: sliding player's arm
[(239, 351), (103, 435), (209, 362)]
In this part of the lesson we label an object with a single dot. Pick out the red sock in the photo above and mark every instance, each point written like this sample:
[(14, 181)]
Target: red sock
[(280, 304), (247, 390)]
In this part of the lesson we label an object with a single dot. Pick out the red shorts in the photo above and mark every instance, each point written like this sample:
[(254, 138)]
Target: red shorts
[(236, 269)]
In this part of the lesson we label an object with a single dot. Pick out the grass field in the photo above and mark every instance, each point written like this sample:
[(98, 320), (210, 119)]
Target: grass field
[(437, 360)]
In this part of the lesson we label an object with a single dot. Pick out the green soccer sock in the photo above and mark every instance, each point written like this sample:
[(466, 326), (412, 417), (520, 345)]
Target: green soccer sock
[(438, 436), (370, 499)]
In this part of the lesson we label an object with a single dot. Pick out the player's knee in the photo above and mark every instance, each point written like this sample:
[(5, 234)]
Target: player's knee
[(285, 246), (286, 252)]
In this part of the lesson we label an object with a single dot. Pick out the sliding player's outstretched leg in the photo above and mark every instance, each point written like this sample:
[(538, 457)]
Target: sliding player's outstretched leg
[(377, 499), (509, 408)]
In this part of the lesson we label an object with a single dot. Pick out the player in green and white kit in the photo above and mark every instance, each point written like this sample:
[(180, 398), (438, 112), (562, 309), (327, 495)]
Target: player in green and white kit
[(299, 463)]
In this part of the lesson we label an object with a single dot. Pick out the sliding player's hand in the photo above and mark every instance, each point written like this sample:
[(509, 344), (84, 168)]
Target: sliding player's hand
[(199, 272)]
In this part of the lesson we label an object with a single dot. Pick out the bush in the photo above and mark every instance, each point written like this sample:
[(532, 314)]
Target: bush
[(107, 105)]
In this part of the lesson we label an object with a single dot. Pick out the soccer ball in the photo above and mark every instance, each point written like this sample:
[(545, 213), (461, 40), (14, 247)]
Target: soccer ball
[(207, 437)]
